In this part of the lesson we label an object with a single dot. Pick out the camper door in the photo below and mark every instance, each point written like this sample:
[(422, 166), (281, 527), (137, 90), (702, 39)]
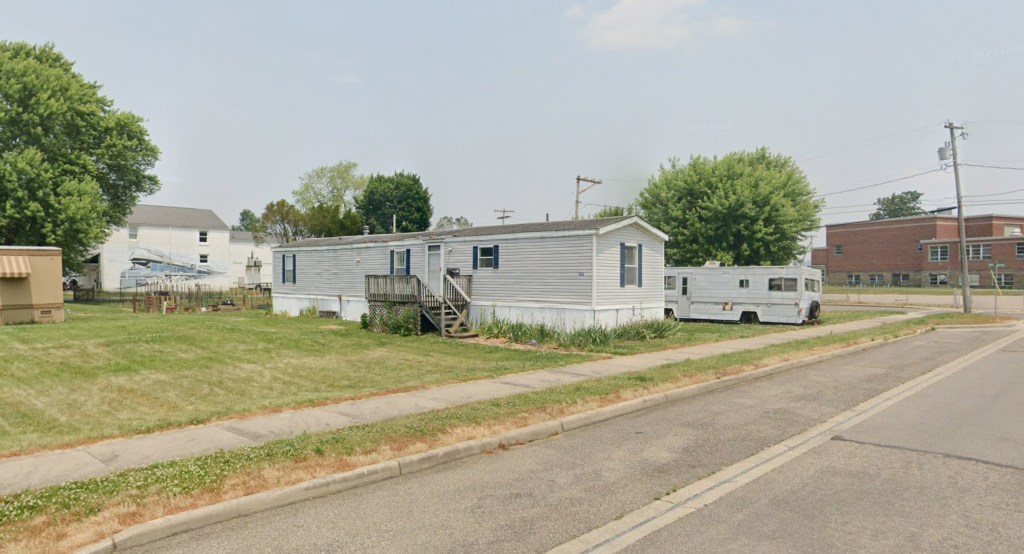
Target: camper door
[(677, 293)]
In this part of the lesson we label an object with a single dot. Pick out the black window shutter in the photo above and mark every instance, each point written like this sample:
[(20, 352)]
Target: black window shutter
[(476, 255), (408, 261), (622, 264), (293, 269), (283, 273), (495, 256), (392, 271), (639, 265)]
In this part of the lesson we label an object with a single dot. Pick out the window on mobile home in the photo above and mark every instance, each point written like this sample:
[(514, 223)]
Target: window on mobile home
[(670, 282)]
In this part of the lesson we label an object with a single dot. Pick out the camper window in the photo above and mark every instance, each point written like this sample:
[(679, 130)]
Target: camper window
[(782, 284), (685, 290), (810, 285), (744, 283), (670, 282)]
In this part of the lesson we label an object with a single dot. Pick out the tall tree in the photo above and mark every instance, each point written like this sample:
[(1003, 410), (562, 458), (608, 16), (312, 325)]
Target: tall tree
[(898, 204), (247, 221), (281, 222), (401, 195), (323, 220), (336, 185), (351, 223), (447, 223), (745, 208), (71, 165)]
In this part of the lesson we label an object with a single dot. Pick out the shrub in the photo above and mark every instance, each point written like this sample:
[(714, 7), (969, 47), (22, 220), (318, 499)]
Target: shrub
[(310, 311), (584, 338), (364, 321)]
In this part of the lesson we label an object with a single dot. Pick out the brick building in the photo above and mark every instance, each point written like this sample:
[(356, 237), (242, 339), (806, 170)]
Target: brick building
[(923, 251)]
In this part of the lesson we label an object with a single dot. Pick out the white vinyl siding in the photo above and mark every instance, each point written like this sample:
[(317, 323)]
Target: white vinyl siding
[(609, 252), (552, 270)]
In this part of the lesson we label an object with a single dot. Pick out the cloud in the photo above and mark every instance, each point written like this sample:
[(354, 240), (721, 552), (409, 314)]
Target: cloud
[(652, 24), (348, 78)]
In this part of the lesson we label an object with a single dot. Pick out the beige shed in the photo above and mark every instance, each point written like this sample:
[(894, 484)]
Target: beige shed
[(31, 285)]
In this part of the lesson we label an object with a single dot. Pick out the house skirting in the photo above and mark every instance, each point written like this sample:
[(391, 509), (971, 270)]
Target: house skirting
[(563, 317)]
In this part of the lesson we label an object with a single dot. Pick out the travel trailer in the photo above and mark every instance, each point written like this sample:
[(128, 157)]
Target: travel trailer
[(769, 294)]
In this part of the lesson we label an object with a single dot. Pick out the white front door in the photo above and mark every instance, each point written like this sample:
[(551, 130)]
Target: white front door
[(434, 267), (685, 280)]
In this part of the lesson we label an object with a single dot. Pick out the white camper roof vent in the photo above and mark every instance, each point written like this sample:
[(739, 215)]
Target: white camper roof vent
[(713, 263)]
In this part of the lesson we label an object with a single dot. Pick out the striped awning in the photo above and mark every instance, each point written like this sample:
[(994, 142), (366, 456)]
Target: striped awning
[(14, 267)]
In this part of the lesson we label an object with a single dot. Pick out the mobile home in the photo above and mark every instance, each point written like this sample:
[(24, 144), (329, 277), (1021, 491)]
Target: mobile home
[(570, 274), (770, 294)]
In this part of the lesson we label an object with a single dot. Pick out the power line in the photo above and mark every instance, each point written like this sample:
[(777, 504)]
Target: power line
[(993, 166), (881, 183), (813, 155)]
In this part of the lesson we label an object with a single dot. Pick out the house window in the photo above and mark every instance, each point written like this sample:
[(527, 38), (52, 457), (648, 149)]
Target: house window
[(1020, 250), (876, 279), (204, 259), (133, 232), (853, 279), (399, 262), (486, 257), (670, 282), (919, 247), (900, 279), (979, 251), (938, 279), (938, 253), (631, 266), (744, 283), (288, 268), (203, 237), (838, 249), (1011, 229), (1004, 280), (685, 290), (782, 284)]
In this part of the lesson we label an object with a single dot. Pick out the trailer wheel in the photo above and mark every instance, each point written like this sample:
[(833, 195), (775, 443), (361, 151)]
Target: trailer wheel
[(670, 313), (749, 317), (815, 311)]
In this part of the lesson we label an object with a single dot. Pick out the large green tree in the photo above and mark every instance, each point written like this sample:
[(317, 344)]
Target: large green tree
[(401, 195), (617, 211), (247, 221), (898, 204), (336, 185), (281, 223), (71, 165), (745, 208)]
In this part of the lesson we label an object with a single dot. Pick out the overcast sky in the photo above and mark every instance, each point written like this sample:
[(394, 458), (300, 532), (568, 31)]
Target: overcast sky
[(501, 104)]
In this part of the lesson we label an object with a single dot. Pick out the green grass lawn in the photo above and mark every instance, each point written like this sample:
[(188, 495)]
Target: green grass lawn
[(108, 372)]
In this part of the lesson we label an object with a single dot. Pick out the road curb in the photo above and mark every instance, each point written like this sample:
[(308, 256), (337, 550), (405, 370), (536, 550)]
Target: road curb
[(324, 486)]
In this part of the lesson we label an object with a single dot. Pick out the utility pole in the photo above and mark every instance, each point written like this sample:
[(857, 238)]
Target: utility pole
[(965, 278), (504, 214), (593, 183)]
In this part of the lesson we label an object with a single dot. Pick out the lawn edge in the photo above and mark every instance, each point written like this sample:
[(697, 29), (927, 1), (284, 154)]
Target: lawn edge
[(205, 516)]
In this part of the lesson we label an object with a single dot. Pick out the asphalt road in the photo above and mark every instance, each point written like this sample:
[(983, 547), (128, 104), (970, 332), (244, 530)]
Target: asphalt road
[(536, 497), (941, 471)]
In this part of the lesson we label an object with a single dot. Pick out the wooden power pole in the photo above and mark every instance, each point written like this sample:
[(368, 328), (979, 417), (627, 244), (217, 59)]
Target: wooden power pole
[(593, 183)]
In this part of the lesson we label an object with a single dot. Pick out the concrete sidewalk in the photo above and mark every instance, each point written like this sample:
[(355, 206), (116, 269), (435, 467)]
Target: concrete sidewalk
[(54, 467)]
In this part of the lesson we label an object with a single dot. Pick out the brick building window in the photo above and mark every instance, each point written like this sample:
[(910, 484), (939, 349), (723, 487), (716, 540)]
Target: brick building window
[(1005, 280), (979, 251), (876, 279), (901, 279), (853, 279), (938, 253), (1020, 250), (838, 249), (919, 247), (1011, 229), (938, 279)]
